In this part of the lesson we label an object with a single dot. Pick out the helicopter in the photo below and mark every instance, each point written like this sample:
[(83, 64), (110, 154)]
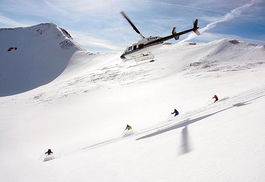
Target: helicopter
[(141, 49)]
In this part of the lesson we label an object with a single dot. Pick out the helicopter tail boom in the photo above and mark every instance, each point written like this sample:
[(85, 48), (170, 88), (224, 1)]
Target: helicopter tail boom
[(176, 35)]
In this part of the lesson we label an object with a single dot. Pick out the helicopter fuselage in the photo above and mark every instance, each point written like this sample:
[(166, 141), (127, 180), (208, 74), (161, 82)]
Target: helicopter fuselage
[(140, 47)]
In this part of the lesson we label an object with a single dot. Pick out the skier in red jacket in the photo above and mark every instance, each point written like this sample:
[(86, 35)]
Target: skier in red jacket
[(216, 98)]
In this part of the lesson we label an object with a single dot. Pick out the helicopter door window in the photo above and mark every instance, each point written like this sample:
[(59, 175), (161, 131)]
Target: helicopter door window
[(134, 47), (129, 48)]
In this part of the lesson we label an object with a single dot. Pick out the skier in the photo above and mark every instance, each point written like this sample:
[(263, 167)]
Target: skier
[(49, 156), (128, 127), (49, 152), (128, 131), (175, 112), (216, 98)]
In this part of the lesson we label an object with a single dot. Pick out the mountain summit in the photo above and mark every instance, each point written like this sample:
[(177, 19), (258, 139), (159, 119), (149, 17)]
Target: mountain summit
[(33, 56)]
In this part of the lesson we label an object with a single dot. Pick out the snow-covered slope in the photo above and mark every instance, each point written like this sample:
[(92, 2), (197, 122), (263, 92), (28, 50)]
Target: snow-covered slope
[(82, 114), (32, 56), (87, 72)]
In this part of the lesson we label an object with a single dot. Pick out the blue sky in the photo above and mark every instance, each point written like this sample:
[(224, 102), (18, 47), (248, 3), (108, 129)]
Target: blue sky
[(98, 26)]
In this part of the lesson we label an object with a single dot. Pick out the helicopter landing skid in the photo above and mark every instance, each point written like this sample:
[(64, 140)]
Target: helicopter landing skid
[(143, 56)]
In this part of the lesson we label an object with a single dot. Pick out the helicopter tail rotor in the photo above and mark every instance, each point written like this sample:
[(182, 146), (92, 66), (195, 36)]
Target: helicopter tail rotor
[(195, 27), (174, 33)]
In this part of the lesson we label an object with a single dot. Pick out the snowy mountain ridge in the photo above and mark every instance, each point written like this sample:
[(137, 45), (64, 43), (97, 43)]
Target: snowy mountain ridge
[(27, 69), (87, 72)]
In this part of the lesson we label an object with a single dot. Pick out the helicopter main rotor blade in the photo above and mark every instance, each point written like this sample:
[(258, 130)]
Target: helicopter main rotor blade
[(134, 27)]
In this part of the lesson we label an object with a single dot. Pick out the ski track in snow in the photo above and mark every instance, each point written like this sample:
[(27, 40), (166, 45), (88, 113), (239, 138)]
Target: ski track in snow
[(184, 120)]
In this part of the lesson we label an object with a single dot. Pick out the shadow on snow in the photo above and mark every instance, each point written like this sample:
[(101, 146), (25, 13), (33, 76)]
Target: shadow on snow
[(189, 121)]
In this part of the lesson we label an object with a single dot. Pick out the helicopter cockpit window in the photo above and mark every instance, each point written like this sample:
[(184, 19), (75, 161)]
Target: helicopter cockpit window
[(129, 48)]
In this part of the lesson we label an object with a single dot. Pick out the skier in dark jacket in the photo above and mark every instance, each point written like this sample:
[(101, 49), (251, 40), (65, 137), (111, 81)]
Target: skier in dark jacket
[(175, 112), (216, 98), (49, 152)]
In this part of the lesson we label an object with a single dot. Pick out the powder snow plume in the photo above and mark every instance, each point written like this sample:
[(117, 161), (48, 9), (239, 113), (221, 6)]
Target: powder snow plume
[(229, 16)]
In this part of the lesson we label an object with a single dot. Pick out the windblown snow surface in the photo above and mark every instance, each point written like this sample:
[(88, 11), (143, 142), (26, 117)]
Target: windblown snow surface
[(81, 116)]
